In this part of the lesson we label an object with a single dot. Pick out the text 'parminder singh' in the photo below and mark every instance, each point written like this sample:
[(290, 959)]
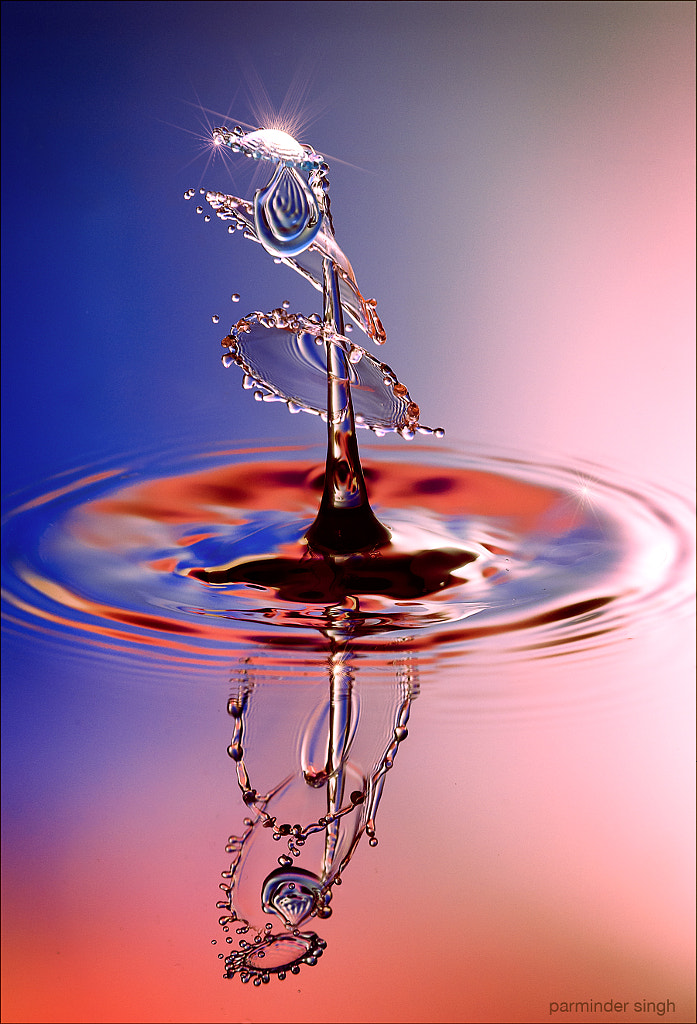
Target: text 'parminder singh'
[(614, 1006)]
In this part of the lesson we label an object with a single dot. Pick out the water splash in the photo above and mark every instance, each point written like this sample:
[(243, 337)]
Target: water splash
[(283, 358), (190, 554), (239, 215), (292, 216)]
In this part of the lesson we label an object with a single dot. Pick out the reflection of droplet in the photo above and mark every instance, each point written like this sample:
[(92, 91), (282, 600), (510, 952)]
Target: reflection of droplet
[(286, 215)]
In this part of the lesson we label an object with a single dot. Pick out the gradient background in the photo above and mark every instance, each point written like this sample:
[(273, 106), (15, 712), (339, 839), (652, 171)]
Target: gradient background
[(514, 183)]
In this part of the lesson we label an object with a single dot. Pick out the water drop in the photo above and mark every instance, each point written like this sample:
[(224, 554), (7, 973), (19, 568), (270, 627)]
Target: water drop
[(230, 230), (286, 304), (286, 215), (235, 297), (215, 318), (207, 218), (199, 209)]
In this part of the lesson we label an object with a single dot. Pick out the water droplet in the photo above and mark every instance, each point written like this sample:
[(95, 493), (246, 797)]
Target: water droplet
[(214, 942), (286, 304), (199, 209), (207, 218), (215, 318), (235, 297), (230, 229), (286, 215)]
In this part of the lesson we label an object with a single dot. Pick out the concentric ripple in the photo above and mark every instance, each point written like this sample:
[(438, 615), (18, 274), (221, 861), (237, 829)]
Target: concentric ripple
[(546, 557)]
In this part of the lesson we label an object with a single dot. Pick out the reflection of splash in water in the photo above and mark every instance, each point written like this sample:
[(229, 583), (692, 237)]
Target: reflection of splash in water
[(332, 760)]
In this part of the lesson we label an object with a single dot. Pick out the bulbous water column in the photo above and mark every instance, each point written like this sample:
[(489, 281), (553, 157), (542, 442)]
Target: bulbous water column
[(288, 216)]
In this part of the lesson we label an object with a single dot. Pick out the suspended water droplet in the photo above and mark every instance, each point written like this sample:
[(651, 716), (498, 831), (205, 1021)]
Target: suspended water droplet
[(207, 218), (215, 318), (235, 297), (286, 304), (286, 215)]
